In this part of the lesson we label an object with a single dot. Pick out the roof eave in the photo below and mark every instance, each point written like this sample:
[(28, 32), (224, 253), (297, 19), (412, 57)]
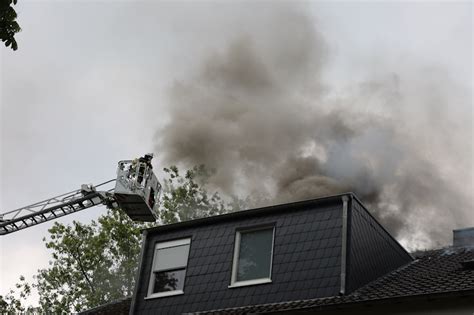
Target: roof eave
[(247, 213)]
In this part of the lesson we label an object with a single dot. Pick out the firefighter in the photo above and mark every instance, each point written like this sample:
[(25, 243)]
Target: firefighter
[(143, 163)]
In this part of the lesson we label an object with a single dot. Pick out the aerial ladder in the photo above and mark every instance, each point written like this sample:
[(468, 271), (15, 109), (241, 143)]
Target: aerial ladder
[(136, 192)]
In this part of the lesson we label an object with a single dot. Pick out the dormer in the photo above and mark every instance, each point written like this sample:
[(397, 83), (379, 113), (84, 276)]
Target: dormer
[(304, 250)]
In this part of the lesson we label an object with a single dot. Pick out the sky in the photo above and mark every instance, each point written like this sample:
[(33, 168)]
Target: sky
[(95, 82)]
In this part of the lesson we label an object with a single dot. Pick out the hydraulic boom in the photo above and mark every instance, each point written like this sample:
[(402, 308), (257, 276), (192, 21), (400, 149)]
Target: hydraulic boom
[(136, 191)]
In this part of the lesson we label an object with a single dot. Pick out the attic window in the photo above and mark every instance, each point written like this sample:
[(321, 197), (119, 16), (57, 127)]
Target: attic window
[(169, 268), (252, 257)]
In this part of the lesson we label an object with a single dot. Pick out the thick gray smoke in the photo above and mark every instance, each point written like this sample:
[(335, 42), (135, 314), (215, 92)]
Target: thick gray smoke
[(260, 113)]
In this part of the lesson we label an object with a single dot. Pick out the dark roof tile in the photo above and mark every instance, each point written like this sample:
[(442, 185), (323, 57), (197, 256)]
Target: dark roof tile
[(119, 307), (432, 272)]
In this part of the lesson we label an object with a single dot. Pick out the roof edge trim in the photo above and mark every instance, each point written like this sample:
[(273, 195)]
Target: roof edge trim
[(248, 212)]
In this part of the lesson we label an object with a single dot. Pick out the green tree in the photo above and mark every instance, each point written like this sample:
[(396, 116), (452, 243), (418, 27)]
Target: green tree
[(8, 24), (186, 197), (96, 263), (90, 263), (11, 303)]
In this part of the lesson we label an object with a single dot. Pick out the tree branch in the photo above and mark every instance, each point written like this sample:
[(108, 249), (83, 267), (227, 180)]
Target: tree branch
[(81, 267)]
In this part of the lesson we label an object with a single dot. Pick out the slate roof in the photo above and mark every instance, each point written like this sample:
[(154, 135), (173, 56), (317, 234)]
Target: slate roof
[(435, 272), (118, 307)]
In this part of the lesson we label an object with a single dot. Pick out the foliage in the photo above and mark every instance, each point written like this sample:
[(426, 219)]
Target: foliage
[(11, 304), (8, 24), (96, 263), (186, 198), (92, 264)]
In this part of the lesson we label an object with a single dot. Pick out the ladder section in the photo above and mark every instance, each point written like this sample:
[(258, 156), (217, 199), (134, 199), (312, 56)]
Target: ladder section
[(52, 208)]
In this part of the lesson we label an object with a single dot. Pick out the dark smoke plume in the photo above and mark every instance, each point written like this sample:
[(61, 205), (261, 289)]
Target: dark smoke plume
[(261, 115)]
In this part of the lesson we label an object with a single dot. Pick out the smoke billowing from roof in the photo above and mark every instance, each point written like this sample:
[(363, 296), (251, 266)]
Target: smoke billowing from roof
[(261, 113)]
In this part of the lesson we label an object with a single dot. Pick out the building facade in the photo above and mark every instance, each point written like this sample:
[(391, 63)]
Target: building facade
[(312, 249), (322, 256)]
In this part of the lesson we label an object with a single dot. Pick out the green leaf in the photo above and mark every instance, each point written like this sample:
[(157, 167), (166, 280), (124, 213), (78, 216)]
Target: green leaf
[(9, 26)]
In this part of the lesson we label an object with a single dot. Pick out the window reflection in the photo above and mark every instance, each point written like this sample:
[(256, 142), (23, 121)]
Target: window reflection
[(255, 255), (169, 280)]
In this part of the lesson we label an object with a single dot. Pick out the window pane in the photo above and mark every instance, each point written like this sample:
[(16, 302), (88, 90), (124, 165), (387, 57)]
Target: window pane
[(169, 280), (171, 257), (255, 255)]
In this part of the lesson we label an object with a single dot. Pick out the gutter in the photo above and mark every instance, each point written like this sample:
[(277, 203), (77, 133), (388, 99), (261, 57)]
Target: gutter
[(345, 200)]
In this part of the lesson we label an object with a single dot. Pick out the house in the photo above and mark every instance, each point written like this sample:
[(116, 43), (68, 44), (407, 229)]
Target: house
[(327, 255)]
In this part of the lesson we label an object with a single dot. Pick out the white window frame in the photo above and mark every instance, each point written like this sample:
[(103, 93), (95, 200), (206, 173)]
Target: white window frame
[(161, 245), (233, 282)]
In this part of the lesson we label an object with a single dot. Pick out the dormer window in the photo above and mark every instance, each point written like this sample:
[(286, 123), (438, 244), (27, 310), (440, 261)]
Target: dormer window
[(169, 268), (253, 254)]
